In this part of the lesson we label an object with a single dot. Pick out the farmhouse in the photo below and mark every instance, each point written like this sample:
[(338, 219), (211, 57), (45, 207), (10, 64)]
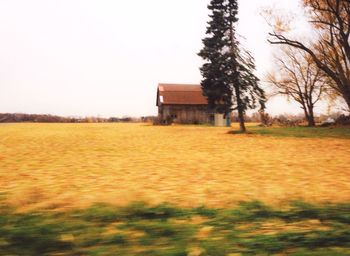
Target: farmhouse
[(182, 103), (185, 104)]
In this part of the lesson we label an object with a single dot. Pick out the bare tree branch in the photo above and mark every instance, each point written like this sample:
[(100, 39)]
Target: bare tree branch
[(298, 78), (331, 50)]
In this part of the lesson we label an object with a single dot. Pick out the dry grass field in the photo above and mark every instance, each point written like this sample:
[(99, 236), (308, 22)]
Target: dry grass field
[(60, 166)]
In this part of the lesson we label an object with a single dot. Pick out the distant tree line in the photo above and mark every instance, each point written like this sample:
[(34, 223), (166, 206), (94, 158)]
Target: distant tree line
[(19, 117), (37, 118), (336, 117)]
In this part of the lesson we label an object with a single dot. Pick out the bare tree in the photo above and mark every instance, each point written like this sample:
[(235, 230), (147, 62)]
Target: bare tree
[(331, 50), (300, 79)]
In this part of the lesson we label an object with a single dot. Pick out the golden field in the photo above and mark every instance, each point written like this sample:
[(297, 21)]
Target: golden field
[(59, 166)]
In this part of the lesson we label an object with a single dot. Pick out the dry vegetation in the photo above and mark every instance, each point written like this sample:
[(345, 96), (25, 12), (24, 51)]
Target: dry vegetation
[(59, 166)]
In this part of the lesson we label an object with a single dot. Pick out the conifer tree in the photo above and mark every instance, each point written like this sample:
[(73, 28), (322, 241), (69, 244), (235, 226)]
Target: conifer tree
[(229, 82)]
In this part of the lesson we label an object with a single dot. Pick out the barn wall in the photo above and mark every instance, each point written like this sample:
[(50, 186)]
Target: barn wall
[(185, 114)]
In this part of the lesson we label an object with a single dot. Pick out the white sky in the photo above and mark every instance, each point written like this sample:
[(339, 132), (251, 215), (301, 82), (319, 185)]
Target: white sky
[(106, 57)]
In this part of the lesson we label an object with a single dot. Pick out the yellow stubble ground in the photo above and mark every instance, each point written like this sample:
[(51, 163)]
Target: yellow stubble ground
[(60, 166)]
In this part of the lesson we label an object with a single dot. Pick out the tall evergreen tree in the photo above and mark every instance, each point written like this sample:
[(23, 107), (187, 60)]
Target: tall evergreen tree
[(229, 82)]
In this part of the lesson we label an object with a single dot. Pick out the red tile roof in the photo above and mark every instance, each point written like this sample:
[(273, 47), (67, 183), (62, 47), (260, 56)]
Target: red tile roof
[(181, 94)]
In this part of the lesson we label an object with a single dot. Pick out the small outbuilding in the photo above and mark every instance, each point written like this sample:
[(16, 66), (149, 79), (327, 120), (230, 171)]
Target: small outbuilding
[(185, 104)]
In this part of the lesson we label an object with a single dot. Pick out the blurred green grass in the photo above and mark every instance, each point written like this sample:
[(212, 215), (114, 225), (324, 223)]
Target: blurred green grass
[(303, 132), (252, 228)]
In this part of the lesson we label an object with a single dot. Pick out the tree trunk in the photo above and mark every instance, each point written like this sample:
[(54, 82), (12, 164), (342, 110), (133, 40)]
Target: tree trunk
[(240, 110), (346, 95), (306, 113), (309, 115), (311, 119), (241, 120)]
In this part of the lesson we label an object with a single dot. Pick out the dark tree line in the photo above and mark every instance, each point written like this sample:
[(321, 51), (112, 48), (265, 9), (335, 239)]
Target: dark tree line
[(37, 118)]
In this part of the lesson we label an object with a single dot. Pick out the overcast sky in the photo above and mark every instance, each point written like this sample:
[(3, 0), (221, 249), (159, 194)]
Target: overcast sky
[(106, 57)]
